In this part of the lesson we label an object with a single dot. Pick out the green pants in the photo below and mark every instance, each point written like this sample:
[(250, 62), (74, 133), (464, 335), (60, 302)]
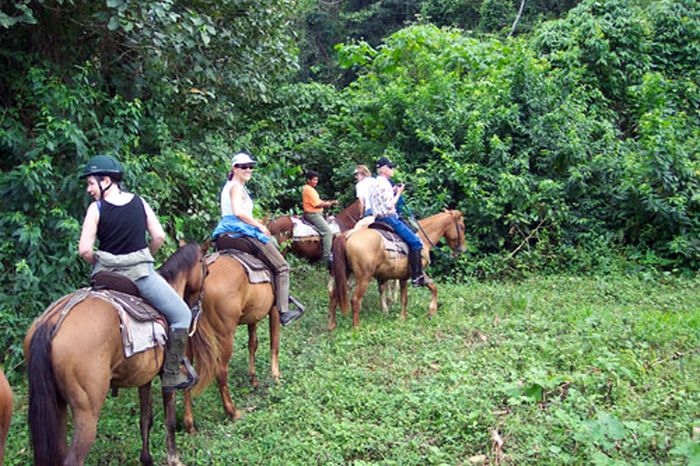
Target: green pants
[(325, 231)]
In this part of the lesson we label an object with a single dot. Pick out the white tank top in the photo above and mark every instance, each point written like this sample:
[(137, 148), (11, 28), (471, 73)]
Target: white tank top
[(227, 208)]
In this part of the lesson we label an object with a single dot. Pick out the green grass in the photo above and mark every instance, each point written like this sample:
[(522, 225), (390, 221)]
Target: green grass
[(565, 370)]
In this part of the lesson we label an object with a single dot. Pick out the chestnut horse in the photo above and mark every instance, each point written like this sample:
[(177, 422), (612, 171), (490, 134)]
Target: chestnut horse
[(229, 300), (363, 255), (282, 228), (5, 412), (74, 358)]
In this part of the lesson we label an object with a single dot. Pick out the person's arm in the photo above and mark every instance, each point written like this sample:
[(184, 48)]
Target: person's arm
[(154, 228), (88, 235), (237, 207), (398, 190)]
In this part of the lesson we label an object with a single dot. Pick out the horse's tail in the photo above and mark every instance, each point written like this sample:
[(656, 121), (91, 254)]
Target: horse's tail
[(44, 398), (206, 353), (340, 273)]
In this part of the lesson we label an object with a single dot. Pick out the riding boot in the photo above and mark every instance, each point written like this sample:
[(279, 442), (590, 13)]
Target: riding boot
[(415, 260), (287, 316), (173, 378)]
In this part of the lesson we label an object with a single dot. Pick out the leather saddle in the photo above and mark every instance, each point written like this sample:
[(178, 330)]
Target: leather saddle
[(113, 281), (224, 242)]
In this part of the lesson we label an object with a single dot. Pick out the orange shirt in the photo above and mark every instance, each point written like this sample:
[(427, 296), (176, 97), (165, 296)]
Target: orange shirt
[(310, 199)]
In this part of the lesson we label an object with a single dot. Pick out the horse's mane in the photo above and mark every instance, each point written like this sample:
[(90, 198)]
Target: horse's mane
[(182, 259)]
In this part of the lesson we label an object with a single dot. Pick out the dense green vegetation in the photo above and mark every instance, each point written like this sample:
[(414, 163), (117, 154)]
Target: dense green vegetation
[(571, 143), (566, 370)]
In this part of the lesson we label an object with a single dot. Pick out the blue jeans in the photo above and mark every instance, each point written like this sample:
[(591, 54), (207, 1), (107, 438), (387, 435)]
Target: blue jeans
[(367, 213), (163, 297), (403, 231)]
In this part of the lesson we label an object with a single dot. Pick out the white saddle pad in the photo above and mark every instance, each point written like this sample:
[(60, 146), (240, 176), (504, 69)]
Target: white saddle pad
[(303, 230)]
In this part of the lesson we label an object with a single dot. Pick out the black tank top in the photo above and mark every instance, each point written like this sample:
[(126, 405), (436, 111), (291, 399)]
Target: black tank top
[(122, 229)]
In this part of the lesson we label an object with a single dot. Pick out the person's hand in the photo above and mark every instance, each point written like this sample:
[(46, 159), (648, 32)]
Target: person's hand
[(264, 229), (334, 202), (399, 188)]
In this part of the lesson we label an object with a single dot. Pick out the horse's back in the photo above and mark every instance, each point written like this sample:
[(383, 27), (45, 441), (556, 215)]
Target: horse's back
[(229, 293), (366, 254), (88, 346)]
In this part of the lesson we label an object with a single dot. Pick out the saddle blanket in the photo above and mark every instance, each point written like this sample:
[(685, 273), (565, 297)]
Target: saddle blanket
[(141, 326), (393, 244), (255, 269), (304, 231)]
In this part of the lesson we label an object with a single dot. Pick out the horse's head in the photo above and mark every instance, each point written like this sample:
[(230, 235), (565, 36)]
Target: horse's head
[(454, 234), (282, 229)]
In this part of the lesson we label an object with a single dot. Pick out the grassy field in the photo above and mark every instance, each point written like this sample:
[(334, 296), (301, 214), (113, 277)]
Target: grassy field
[(550, 370)]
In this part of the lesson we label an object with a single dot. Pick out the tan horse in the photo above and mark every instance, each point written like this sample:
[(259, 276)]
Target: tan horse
[(363, 255), (5, 412), (230, 300), (282, 228), (74, 363)]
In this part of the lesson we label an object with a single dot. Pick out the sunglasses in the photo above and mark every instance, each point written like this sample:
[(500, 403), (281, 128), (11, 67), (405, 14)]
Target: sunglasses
[(245, 166)]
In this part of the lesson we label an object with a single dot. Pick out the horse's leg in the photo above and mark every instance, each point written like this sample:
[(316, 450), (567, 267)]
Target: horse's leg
[(404, 297), (222, 376), (275, 344), (433, 303), (170, 425), (252, 348), (146, 421), (332, 305), (360, 290), (86, 400), (188, 417), (382, 287)]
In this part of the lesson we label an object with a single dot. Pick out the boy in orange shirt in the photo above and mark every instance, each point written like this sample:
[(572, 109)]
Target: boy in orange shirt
[(313, 211)]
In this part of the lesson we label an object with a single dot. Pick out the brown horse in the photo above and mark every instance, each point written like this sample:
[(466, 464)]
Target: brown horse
[(228, 301), (282, 228), (363, 255), (74, 358), (5, 412)]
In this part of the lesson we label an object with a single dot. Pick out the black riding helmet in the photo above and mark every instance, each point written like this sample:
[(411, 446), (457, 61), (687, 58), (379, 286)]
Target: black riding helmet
[(103, 165)]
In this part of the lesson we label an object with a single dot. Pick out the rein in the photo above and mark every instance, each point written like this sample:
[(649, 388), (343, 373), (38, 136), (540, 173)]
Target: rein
[(197, 308)]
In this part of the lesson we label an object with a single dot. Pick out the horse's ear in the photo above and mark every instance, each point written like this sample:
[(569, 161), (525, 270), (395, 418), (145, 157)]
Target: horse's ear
[(181, 243), (206, 246)]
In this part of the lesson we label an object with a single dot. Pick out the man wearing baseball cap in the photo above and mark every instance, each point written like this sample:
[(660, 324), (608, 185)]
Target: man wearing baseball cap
[(384, 199)]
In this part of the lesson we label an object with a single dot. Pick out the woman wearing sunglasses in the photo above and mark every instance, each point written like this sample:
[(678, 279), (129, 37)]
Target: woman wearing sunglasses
[(237, 220)]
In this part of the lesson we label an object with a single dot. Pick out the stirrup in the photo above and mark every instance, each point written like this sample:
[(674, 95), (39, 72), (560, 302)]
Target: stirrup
[(297, 304), (422, 280), (192, 378)]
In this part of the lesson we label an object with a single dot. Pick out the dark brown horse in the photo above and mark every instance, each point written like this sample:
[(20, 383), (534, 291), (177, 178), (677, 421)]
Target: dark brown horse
[(230, 300), (282, 228), (73, 360), (364, 256), (5, 412)]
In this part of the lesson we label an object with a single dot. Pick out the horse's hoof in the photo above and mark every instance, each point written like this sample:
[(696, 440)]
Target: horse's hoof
[(175, 461), (254, 382), (190, 429)]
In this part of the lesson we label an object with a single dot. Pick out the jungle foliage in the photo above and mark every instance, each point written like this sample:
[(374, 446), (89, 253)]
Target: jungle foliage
[(568, 147)]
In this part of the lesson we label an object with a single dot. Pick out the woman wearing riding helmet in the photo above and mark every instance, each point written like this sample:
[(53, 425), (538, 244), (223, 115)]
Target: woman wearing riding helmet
[(119, 221), (237, 220)]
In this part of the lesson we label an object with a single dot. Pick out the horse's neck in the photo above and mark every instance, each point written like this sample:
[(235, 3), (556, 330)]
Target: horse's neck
[(433, 228), (179, 283)]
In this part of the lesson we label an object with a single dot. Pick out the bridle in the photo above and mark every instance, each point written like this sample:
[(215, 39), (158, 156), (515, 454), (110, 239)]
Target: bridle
[(460, 243)]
